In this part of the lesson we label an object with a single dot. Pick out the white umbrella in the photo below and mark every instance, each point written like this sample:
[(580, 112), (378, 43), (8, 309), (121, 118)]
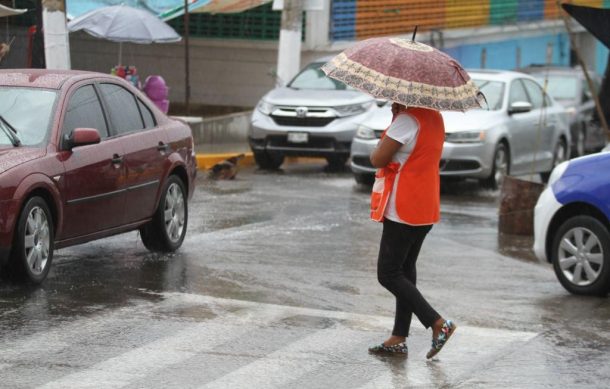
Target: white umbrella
[(125, 24)]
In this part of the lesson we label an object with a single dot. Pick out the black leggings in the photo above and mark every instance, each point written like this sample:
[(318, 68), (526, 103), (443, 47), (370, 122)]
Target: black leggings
[(400, 245)]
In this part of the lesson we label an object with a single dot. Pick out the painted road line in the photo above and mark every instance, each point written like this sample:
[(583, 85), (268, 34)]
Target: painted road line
[(289, 363), (136, 364)]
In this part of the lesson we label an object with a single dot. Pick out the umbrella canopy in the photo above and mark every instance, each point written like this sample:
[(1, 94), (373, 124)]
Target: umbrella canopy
[(407, 72), (125, 24), (6, 11), (595, 20)]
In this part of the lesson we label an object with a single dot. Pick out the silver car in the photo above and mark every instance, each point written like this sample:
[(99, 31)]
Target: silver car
[(521, 132), (313, 116)]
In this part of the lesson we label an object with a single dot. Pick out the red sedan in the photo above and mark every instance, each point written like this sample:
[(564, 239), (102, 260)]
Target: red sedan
[(84, 156)]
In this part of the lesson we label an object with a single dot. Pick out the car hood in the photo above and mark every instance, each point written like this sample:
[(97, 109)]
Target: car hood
[(473, 120), (379, 119), (315, 98), (9, 158)]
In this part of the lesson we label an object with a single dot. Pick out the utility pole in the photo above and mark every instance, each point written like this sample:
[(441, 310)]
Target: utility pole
[(56, 40), (289, 50), (187, 75)]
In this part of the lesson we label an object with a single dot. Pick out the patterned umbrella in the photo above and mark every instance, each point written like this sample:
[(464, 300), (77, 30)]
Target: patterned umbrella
[(407, 72)]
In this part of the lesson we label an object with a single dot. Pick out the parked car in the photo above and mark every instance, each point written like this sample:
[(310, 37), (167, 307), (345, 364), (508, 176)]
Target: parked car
[(572, 224), (313, 116), (521, 132), (84, 156), (569, 87)]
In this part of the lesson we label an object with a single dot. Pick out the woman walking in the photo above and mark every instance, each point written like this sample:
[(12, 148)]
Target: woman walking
[(408, 159), (406, 194)]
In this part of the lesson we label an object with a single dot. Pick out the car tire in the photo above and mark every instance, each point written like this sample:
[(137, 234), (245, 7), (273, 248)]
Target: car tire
[(165, 232), (500, 168), (33, 243), (560, 154), (336, 163), (364, 179), (268, 161), (580, 142), (572, 257)]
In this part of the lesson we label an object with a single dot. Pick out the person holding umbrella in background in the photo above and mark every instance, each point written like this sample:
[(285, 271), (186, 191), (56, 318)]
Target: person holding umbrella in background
[(421, 81)]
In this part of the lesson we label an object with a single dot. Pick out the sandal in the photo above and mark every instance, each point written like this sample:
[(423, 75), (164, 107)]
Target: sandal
[(397, 349), (447, 330)]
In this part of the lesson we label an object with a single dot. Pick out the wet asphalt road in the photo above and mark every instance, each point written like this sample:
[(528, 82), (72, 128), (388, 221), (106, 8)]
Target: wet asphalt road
[(275, 287)]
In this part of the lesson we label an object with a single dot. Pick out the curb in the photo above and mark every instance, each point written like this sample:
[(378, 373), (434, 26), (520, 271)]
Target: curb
[(206, 161)]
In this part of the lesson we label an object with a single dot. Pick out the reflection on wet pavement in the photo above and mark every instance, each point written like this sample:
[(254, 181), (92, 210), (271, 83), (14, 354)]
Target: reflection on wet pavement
[(275, 286)]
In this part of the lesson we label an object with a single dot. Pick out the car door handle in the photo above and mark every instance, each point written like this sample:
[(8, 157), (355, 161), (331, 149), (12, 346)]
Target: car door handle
[(117, 159), (163, 147)]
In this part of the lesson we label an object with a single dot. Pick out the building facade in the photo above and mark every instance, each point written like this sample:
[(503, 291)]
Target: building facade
[(233, 57)]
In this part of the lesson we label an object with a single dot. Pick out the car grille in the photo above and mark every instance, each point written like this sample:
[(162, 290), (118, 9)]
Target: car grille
[(378, 133), (301, 122), (362, 161), (453, 165), (313, 142)]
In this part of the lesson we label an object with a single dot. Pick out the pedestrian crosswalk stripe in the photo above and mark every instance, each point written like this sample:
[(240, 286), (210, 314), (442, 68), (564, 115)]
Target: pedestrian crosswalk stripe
[(288, 363), (119, 371), (339, 345)]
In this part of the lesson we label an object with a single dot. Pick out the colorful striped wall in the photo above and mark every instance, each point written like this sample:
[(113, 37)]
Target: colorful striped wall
[(358, 19)]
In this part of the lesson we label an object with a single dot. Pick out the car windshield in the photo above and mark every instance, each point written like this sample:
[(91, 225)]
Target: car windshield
[(312, 77), (29, 111), (560, 87), (493, 91)]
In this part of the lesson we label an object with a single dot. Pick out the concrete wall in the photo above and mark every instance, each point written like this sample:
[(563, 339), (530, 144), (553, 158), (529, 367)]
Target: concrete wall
[(231, 128)]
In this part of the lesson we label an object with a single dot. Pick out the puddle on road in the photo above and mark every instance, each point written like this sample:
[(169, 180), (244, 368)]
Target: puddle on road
[(211, 225)]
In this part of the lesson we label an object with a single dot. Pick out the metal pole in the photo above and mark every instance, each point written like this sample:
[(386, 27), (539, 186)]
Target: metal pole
[(187, 81), (598, 106)]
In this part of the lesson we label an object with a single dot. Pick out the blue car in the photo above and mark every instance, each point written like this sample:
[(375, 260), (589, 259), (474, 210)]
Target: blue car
[(572, 224)]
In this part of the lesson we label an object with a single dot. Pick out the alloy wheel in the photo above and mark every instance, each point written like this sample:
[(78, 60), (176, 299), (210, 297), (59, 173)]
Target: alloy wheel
[(560, 154), (174, 212), (501, 166), (37, 240), (580, 256), (580, 143)]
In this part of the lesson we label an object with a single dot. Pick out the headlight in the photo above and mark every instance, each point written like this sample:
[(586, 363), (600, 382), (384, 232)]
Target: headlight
[(465, 137), (364, 132), (558, 172), (353, 109), (265, 107)]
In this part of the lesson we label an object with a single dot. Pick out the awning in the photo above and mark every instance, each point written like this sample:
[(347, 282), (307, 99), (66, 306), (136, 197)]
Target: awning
[(6, 11), (165, 9)]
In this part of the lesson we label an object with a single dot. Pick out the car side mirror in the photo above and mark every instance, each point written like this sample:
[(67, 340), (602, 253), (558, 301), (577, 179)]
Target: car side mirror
[(519, 107), (82, 137)]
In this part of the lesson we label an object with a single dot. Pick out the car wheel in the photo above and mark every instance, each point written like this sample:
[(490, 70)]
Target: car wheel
[(500, 169), (268, 161), (581, 256), (33, 244), (559, 155), (336, 162), (364, 178), (579, 143), (166, 231)]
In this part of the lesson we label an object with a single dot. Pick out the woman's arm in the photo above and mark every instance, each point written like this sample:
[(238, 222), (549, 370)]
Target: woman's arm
[(385, 150)]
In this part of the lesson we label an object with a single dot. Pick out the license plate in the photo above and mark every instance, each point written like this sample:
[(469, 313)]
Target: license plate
[(298, 137)]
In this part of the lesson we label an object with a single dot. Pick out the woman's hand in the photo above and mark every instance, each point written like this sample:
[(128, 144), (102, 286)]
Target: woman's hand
[(385, 150)]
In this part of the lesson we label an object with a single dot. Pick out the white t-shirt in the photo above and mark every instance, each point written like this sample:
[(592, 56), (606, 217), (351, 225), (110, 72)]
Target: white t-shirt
[(404, 129)]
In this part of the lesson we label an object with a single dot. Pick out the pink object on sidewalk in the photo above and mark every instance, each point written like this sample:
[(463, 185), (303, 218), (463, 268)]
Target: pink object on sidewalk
[(156, 89)]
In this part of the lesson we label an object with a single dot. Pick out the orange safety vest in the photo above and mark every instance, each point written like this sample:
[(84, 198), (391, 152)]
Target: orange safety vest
[(418, 189)]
